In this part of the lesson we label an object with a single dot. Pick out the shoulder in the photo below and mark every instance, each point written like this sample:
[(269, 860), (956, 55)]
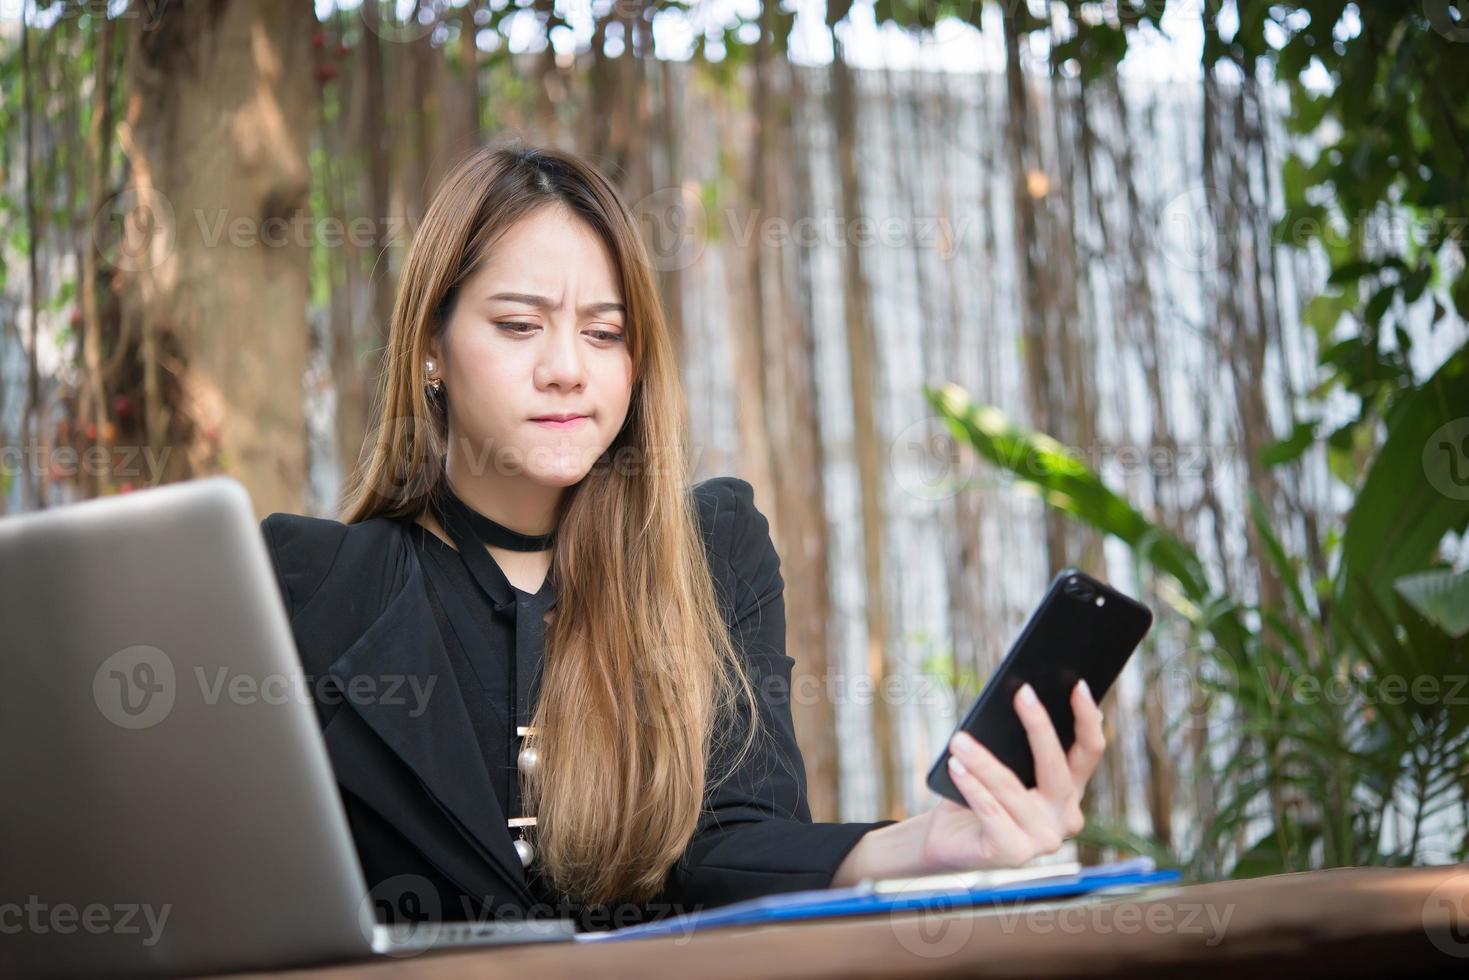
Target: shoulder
[(727, 514), (304, 550), (742, 555)]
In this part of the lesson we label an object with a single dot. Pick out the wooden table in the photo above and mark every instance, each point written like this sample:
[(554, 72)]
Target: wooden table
[(1343, 922)]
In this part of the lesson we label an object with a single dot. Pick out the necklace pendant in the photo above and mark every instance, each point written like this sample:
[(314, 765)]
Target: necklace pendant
[(523, 848)]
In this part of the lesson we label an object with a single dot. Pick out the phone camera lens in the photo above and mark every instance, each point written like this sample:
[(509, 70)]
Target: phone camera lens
[(1078, 589)]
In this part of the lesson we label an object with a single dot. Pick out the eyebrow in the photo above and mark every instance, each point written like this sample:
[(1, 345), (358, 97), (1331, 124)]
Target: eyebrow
[(545, 303)]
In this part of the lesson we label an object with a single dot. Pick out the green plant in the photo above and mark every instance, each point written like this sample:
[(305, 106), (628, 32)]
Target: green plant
[(1347, 729)]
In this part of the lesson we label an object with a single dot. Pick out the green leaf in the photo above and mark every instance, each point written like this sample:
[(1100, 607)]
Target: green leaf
[(1323, 313), (1416, 282), (1284, 849), (1284, 568), (1293, 59), (1460, 294), (1379, 303), (1441, 596), (1412, 493), (1295, 178), (1351, 272), (1064, 482), (1291, 447), (1125, 840)]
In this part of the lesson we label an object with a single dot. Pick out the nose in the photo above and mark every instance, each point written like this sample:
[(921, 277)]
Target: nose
[(560, 364)]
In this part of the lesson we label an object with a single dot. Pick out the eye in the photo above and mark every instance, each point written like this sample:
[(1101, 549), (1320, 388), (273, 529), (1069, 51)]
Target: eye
[(606, 335), (518, 327)]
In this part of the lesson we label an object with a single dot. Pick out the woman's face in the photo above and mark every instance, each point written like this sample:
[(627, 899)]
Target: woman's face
[(537, 330)]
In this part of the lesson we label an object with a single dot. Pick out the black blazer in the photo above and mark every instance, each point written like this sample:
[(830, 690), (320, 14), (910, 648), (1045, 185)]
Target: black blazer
[(355, 594)]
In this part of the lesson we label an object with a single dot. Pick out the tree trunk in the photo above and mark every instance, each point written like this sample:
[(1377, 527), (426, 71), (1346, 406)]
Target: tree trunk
[(792, 421), (99, 153), (469, 128), (34, 485), (867, 445), (356, 340), (1138, 303), (1028, 182), (219, 119)]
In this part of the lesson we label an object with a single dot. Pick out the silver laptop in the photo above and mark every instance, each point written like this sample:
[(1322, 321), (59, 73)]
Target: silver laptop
[(167, 805)]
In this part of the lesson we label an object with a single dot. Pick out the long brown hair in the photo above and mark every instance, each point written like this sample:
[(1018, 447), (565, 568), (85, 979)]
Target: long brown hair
[(639, 665)]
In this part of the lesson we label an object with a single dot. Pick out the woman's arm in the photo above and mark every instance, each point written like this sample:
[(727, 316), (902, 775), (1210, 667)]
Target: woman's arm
[(756, 835), (1005, 824)]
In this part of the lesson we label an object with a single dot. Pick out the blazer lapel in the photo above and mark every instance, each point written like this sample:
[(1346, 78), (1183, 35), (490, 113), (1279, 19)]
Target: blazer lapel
[(407, 693)]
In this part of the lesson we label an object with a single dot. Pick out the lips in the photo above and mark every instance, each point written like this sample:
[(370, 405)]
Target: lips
[(560, 421)]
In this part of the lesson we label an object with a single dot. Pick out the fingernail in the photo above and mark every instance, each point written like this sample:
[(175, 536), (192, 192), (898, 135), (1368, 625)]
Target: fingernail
[(957, 767), (1027, 695), (960, 742), (1086, 689)]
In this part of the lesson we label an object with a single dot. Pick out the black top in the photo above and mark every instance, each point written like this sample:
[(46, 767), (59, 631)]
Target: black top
[(427, 781), (486, 674)]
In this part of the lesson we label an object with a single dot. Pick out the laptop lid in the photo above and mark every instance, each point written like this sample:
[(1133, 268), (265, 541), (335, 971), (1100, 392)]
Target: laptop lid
[(169, 803)]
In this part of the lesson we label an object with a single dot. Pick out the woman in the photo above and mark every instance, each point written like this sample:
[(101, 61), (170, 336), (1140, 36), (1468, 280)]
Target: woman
[(527, 494)]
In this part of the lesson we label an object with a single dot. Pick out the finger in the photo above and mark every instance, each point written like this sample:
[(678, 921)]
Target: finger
[(1091, 741), (1005, 837), (1025, 807), (1052, 773)]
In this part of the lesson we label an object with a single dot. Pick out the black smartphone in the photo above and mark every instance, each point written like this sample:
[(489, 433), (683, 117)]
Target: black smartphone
[(1082, 630)]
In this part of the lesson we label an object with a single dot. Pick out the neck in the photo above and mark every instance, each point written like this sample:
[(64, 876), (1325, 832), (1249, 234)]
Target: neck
[(513, 501)]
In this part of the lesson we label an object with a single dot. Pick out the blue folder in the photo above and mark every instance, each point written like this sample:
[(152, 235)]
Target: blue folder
[(866, 899)]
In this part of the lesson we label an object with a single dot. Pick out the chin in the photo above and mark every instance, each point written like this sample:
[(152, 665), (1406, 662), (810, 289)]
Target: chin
[(562, 478), (560, 466)]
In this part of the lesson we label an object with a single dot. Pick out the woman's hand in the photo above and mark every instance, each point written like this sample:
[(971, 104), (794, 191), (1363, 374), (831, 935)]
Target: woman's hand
[(1005, 824)]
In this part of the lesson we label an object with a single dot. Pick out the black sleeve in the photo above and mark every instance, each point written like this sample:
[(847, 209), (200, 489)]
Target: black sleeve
[(756, 836)]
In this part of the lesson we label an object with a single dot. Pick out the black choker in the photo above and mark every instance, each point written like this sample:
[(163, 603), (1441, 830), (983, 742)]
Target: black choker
[(491, 532)]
